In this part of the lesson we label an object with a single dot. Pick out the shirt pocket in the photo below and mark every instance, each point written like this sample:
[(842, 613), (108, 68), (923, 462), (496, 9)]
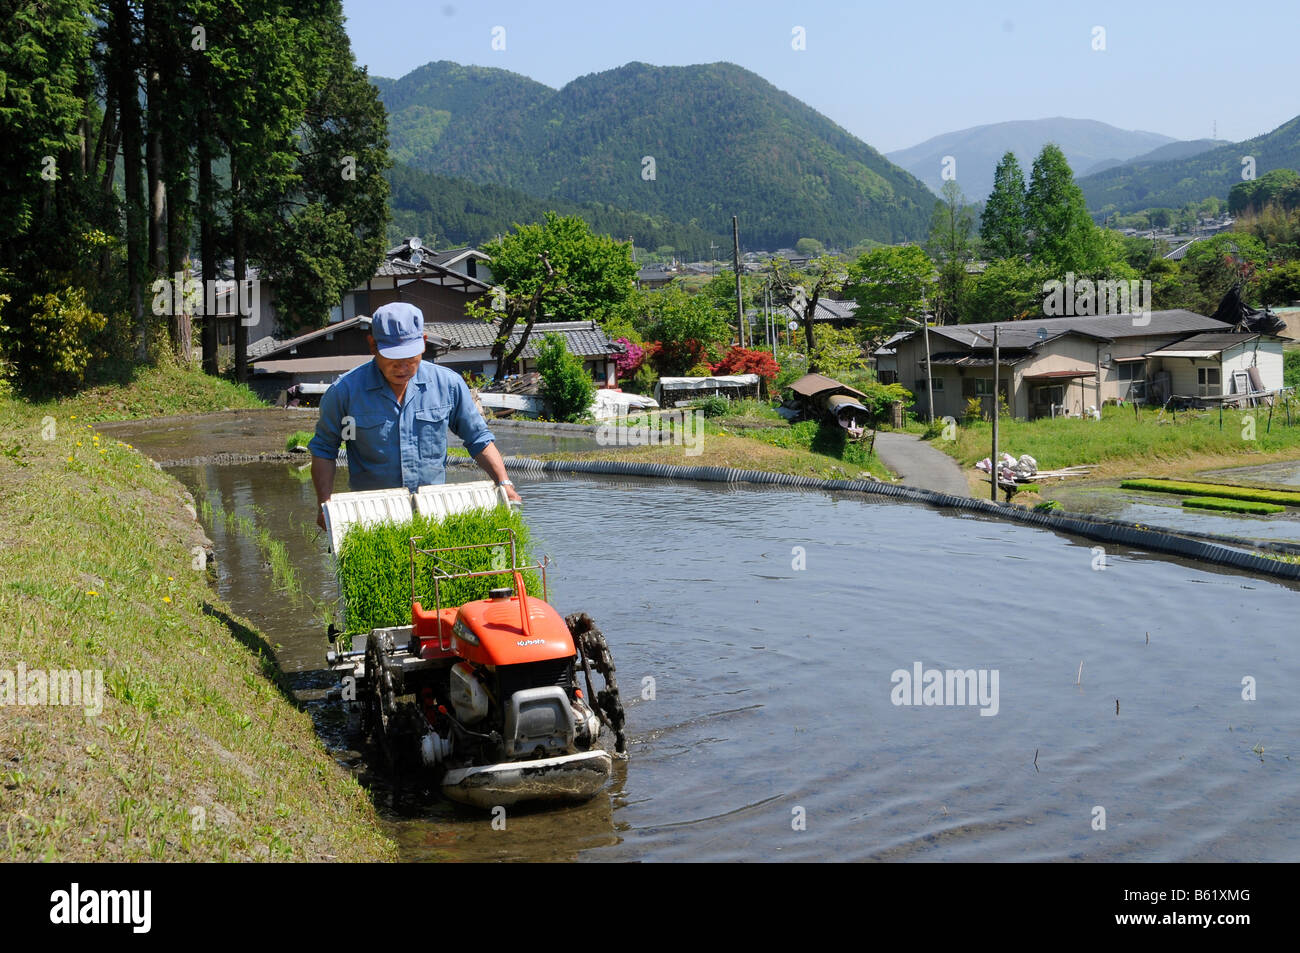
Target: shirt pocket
[(431, 431), (372, 432)]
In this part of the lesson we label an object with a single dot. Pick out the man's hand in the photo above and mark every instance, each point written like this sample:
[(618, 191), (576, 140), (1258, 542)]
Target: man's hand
[(490, 462), (322, 477)]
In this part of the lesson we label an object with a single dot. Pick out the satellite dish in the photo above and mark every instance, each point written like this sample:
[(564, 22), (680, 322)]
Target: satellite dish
[(415, 258), (793, 325), (414, 242)]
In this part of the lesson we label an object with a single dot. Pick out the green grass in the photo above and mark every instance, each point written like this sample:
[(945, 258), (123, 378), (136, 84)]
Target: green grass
[(819, 437), (374, 565), (299, 438), (200, 752), (161, 390), (1232, 506), (1216, 490), (1068, 442)]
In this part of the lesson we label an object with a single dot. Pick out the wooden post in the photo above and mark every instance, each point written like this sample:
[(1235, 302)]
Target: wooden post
[(1269, 428), (929, 374)]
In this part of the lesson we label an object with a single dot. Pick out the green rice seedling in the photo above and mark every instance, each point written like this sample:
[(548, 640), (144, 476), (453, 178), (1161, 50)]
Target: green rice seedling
[(1232, 506), (1217, 490), (299, 438), (374, 565)]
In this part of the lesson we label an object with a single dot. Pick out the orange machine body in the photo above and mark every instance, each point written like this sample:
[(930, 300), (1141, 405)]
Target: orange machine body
[(493, 632)]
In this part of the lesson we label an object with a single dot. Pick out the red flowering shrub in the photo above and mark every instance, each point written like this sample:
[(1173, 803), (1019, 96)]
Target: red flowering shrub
[(739, 360)]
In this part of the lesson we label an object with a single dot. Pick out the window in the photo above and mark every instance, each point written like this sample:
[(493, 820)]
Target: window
[(1207, 382), (1049, 394), (937, 385), (983, 387), (1131, 371)]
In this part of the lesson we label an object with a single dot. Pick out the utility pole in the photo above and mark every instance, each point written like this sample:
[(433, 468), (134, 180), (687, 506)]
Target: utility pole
[(994, 459), (929, 374), (735, 259)]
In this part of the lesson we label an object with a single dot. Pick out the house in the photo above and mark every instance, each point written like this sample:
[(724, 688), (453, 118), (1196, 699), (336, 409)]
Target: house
[(470, 348), (1215, 364), (319, 357), (884, 359), (1054, 366)]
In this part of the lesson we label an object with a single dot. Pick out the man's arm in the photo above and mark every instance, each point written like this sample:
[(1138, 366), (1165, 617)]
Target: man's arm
[(324, 447), (489, 460), (322, 477), (468, 424)]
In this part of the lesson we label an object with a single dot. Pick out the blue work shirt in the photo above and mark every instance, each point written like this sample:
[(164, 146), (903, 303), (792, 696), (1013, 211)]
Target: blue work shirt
[(391, 444)]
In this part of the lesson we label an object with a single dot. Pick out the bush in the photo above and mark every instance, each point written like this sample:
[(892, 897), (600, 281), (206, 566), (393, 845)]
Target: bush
[(48, 343), (713, 406), (375, 574), (739, 360), (1291, 369), (568, 388)]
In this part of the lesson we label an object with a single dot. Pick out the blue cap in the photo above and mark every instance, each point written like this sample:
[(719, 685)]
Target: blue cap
[(398, 329)]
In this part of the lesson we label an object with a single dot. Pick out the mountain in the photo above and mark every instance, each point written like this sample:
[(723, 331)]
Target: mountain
[(446, 211), (1181, 149), (1173, 183), (723, 141), (1085, 142)]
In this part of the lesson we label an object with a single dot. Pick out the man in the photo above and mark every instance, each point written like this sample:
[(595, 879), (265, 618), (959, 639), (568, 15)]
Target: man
[(394, 412)]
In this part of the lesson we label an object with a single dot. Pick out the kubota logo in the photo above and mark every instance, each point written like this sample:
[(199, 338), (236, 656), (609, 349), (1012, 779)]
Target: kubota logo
[(523, 642)]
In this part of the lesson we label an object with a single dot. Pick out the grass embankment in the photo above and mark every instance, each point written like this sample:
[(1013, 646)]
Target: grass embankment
[(199, 752), (1121, 445), (752, 436), (375, 565), (1219, 490)]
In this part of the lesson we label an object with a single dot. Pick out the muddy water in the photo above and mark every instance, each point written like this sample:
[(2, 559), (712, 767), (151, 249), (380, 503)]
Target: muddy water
[(771, 733)]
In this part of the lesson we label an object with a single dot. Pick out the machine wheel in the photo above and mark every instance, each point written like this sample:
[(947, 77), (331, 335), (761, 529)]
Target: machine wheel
[(594, 652), (378, 710)]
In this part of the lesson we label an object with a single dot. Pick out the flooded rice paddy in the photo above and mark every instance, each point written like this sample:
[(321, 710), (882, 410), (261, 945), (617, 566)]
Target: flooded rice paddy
[(761, 695)]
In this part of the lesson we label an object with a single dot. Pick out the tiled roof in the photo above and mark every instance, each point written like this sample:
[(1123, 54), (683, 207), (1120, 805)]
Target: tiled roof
[(268, 345), (584, 338), (1025, 333), (1207, 342)]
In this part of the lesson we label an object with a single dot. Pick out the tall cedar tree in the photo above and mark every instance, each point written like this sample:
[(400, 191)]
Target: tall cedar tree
[(1002, 225)]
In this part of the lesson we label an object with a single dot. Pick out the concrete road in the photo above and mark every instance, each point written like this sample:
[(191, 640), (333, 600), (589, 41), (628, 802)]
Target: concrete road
[(919, 464)]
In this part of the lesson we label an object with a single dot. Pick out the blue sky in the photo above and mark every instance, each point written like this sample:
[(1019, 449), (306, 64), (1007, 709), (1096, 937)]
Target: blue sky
[(895, 73)]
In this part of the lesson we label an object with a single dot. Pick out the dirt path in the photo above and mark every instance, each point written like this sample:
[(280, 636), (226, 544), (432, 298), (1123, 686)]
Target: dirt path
[(920, 464)]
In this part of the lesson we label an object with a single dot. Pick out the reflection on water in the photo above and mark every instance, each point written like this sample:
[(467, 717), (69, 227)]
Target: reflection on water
[(759, 694)]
